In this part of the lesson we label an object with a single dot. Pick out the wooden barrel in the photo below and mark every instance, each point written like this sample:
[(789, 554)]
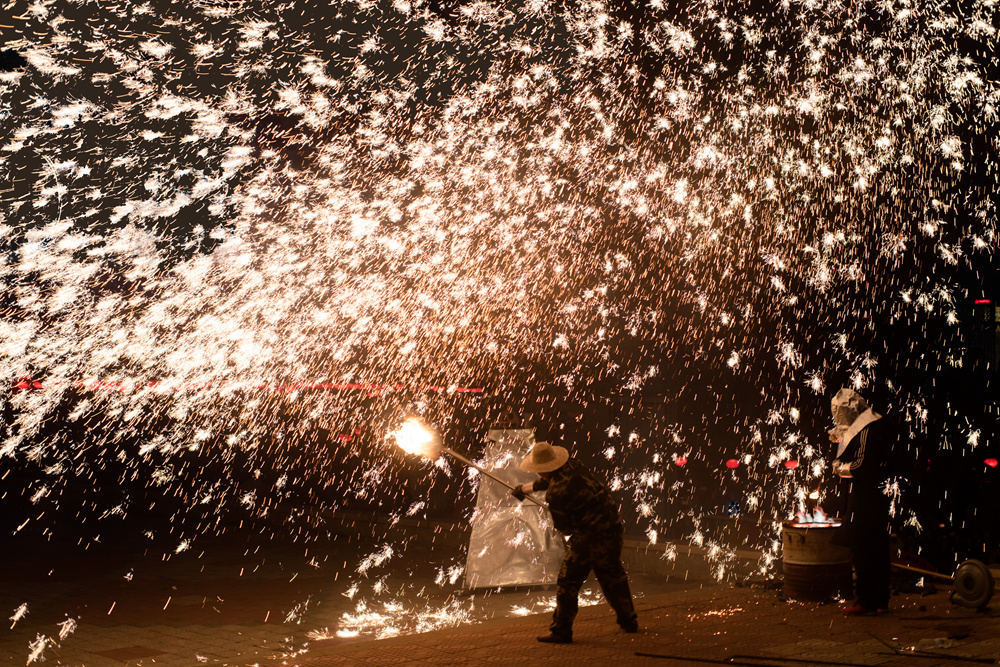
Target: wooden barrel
[(815, 569)]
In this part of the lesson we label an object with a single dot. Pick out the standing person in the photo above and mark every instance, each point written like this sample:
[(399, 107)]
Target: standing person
[(864, 442), (582, 509)]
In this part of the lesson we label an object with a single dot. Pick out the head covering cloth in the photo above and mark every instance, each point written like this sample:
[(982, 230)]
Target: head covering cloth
[(851, 413)]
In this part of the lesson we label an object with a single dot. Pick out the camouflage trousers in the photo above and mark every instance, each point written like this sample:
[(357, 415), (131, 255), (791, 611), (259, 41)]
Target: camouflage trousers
[(603, 555)]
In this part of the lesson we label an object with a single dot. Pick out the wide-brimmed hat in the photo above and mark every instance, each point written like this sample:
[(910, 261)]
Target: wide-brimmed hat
[(545, 457)]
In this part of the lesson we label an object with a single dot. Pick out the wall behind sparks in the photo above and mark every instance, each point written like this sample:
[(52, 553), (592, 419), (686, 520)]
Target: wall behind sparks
[(739, 208)]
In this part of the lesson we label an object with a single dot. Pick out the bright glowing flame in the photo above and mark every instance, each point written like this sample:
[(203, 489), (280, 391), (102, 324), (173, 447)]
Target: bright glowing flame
[(804, 519), (416, 437)]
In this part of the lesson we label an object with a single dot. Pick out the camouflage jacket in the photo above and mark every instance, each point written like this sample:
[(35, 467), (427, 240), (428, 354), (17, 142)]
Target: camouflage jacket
[(581, 504)]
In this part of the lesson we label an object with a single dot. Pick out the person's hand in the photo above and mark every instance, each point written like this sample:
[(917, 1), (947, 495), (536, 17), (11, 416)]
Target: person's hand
[(841, 469), (520, 492)]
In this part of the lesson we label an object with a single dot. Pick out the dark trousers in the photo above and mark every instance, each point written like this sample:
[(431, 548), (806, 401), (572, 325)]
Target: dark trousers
[(868, 513), (603, 555)]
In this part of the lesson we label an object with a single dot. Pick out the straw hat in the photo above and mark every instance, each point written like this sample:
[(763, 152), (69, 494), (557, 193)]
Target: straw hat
[(545, 457)]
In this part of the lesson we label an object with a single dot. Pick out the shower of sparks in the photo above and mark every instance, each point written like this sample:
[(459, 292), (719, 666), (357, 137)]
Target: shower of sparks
[(295, 614), (217, 218), (66, 628), (37, 648), (19, 613), (375, 559)]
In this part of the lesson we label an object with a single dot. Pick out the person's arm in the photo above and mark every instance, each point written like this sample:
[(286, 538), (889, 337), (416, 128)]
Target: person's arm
[(560, 518), (847, 468), (520, 492), (868, 456), (859, 458)]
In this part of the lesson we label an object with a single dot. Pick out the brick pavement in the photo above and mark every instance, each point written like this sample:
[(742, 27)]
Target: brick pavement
[(712, 625), (231, 606)]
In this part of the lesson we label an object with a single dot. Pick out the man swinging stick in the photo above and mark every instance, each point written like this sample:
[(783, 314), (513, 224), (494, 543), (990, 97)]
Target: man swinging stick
[(582, 509)]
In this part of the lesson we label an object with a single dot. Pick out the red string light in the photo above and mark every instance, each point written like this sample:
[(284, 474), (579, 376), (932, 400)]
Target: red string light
[(27, 384)]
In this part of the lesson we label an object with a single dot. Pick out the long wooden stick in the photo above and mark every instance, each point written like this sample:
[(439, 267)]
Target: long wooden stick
[(926, 572), (491, 475)]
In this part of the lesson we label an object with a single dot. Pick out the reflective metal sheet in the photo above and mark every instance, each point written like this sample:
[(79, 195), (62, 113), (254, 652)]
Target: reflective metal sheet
[(512, 543)]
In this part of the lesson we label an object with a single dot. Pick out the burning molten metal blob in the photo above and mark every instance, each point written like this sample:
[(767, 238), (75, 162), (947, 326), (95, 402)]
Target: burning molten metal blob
[(416, 437)]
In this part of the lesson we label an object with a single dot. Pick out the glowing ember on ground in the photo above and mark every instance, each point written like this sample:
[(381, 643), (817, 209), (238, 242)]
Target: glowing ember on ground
[(728, 611), (394, 618), (397, 616)]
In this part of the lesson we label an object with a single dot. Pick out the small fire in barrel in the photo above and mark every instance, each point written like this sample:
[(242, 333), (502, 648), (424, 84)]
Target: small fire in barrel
[(814, 567), (819, 517)]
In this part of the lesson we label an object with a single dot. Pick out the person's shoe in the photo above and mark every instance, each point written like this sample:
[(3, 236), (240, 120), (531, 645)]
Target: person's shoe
[(553, 638), (630, 629), (858, 610)]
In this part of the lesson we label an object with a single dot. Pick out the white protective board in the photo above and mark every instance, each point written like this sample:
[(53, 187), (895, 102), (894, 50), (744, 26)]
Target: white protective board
[(512, 543)]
